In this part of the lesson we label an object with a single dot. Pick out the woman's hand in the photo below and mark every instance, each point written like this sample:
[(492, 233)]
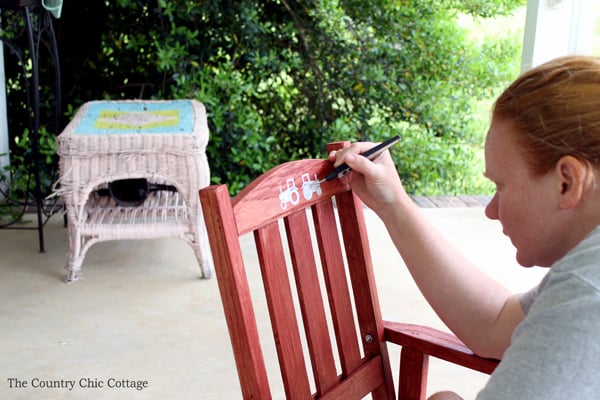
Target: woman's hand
[(376, 181)]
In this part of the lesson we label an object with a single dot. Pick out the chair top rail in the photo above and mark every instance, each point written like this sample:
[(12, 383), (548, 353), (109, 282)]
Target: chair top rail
[(287, 187)]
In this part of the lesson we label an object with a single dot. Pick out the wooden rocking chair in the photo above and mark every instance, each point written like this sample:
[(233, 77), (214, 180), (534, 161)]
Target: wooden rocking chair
[(339, 327)]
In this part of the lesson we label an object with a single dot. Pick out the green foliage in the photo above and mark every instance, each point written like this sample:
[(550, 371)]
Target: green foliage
[(17, 180), (447, 166), (239, 147), (19, 172), (281, 78)]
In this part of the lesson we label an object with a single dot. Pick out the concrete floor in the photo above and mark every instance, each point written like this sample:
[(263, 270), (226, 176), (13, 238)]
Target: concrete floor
[(143, 315)]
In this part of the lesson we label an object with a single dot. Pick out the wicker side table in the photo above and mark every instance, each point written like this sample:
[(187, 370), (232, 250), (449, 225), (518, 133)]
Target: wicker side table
[(163, 142)]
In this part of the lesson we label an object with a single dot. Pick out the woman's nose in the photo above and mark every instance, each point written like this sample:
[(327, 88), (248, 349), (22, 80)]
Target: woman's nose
[(491, 210)]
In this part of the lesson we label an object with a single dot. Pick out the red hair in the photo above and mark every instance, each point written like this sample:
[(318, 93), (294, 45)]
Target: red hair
[(555, 109)]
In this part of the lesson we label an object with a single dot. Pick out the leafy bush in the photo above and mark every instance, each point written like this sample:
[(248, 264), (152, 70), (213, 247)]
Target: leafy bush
[(281, 78)]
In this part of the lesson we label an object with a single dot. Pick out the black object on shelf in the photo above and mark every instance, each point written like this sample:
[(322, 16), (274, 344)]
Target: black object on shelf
[(132, 192), (25, 28)]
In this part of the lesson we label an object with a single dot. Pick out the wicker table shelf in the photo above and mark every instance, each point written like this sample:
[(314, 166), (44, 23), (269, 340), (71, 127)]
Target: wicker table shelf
[(159, 208), (163, 142)]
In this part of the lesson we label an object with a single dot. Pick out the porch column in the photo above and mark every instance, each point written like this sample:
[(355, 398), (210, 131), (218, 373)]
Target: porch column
[(555, 28)]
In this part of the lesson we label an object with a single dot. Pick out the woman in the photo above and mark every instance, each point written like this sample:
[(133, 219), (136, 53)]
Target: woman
[(542, 152)]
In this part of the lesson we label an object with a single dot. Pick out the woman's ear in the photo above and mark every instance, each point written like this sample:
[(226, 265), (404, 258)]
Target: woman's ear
[(572, 174)]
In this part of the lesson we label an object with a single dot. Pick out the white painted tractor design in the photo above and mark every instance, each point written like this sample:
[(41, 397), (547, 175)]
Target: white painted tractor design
[(289, 195), (309, 187)]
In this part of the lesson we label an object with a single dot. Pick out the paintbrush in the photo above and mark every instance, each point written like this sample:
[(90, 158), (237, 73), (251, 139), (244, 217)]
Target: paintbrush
[(371, 154)]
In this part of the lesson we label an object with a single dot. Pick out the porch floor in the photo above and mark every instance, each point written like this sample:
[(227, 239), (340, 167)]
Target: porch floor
[(142, 314)]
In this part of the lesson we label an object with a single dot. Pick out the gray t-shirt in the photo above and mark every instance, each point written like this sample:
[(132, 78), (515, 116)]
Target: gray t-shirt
[(555, 351)]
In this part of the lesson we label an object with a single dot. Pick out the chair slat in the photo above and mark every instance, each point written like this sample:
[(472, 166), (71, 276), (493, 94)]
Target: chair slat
[(281, 308), (354, 231), (311, 301), (357, 253), (336, 282)]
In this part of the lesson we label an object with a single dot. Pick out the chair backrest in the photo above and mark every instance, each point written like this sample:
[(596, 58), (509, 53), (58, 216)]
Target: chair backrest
[(338, 326)]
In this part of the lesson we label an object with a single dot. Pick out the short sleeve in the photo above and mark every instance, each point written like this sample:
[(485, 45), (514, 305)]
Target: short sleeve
[(555, 352), (527, 298)]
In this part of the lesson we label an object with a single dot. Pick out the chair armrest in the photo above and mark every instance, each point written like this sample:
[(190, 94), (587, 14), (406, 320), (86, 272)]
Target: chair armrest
[(436, 343)]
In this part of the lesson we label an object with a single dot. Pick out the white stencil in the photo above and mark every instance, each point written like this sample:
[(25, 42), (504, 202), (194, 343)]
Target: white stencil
[(291, 194), (309, 187)]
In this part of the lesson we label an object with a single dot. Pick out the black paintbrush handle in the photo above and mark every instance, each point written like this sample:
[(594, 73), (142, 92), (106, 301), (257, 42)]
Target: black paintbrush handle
[(371, 154)]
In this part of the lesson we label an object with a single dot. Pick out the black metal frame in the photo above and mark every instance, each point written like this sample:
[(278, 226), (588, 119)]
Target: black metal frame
[(39, 30)]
